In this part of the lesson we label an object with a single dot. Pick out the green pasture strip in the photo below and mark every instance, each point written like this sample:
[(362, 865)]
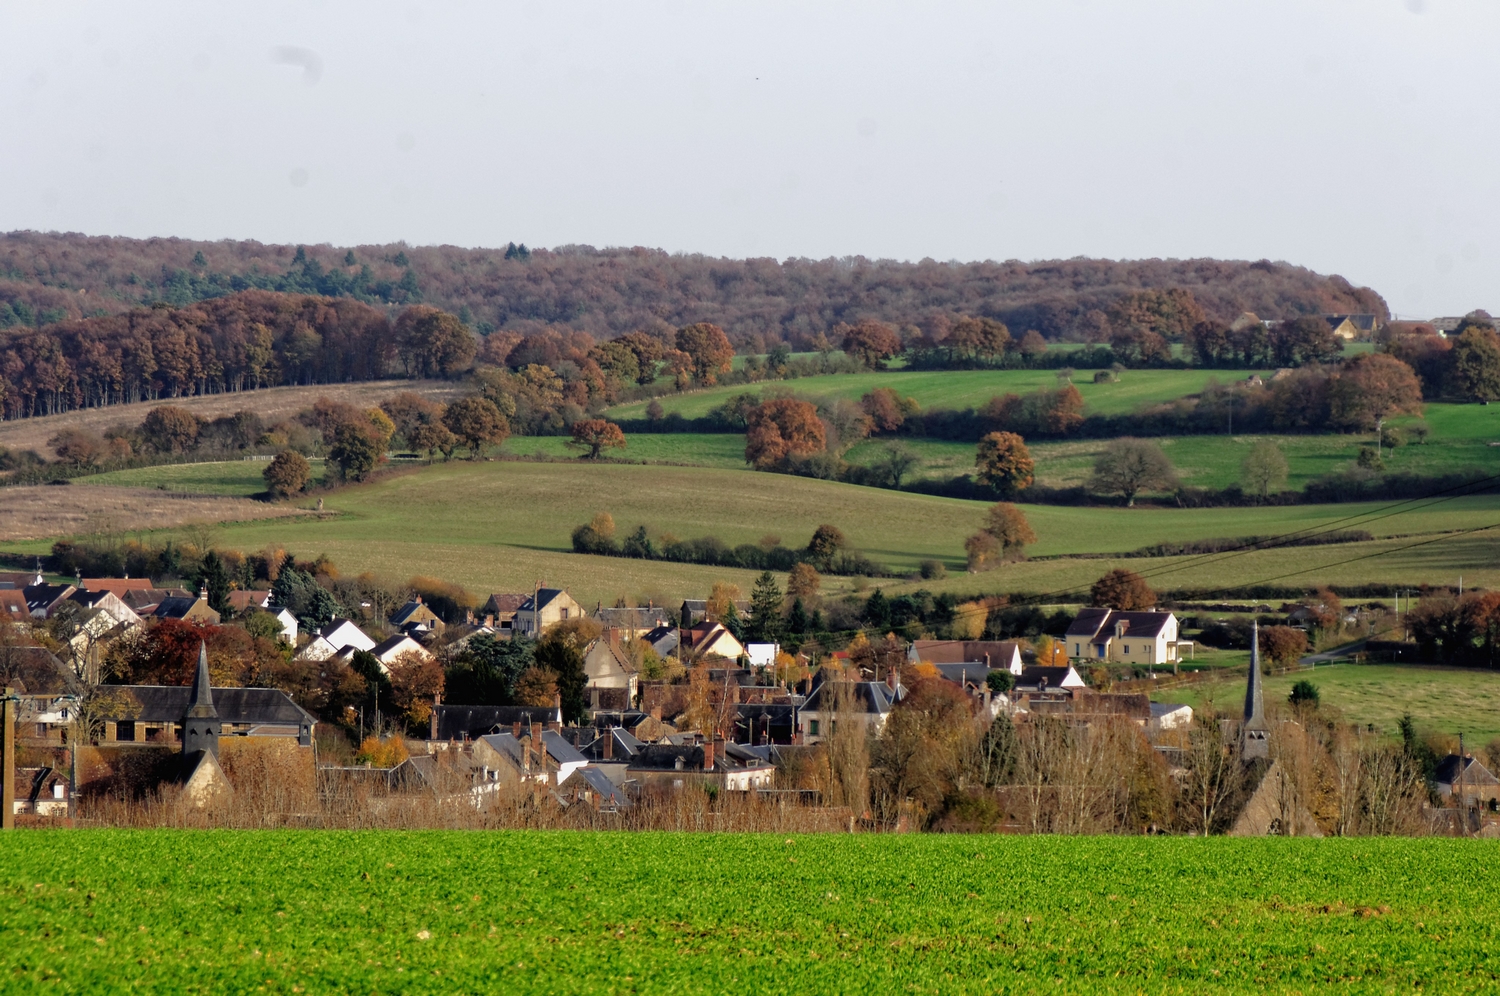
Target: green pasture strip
[(1442, 700), (957, 388), (580, 912), (224, 477), (724, 450)]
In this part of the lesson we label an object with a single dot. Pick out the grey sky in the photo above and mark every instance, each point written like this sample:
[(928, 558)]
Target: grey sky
[(1352, 137)]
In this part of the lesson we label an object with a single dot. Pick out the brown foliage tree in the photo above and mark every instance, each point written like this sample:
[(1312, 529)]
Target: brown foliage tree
[(1372, 387), (1283, 646), (536, 686), (476, 421), (781, 429), (595, 435), (288, 474), (433, 343), (1476, 363), (709, 351), (887, 410), (1008, 525), (870, 342), (802, 582), (170, 429), (1004, 463), (1122, 589)]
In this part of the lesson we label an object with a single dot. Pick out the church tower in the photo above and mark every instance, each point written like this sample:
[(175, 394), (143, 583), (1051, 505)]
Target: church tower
[(1253, 734), (200, 726)]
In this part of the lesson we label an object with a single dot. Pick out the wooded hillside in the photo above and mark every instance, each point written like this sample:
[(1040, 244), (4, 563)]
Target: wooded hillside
[(49, 277)]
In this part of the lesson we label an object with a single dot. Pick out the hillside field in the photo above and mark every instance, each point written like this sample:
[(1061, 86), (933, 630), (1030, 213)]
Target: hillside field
[(1444, 700), (171, 911), (956, 388), (501, 525)]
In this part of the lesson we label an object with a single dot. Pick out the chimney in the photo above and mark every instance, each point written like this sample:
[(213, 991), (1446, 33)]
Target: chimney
[(526, 753), (432, 733), (419, 599), (609, 745), (986, 663), (203, 591), (515, 729), (892, 679), (708, 755), (489, 619), (594, 698)]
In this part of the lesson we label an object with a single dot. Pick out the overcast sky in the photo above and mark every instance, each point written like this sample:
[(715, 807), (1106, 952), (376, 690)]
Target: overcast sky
[(1352, 137)]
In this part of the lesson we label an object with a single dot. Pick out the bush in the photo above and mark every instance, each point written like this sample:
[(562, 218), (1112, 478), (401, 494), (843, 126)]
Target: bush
[(933, 570), (1304, 692)]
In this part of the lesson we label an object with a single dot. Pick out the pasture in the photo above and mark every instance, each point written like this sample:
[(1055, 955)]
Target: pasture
[(578, 912), (1442, 700), (499, 526), (955, 388)]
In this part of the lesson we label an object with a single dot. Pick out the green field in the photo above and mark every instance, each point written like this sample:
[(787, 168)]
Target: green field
[(957, 388), (579, 912), (229, 477), (499, 526), (1442, 700)]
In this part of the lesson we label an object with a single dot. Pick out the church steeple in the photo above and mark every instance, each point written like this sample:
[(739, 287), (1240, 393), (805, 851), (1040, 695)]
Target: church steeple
[(1253, 733), (200, 725)]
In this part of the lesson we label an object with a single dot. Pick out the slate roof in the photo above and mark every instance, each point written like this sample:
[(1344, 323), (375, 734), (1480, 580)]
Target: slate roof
[(1474, 773), (545, 597), (561, 751), (240, 706), (41, 597), (664, 757), (971, 673), (635, 619), (460, 722), (872, 696), (601, 786), (175, 607), (1038, 676), (1092, 622)]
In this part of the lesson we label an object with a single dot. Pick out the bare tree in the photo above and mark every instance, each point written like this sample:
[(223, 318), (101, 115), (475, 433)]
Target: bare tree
[(1211, 774)]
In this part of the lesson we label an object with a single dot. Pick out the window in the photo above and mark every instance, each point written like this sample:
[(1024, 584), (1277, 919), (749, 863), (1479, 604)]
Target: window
[(125, 730), (564, 614), (1127, 648), (1077, 650), (812, 727)]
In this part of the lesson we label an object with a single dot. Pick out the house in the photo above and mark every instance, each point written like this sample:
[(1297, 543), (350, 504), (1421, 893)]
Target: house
[(546, 607), (108, 604), (633, 621), (415, 615), (22, 579), (1351, 327), (242, 601), (117, 586), (1171, 716), (869, 702), (695, 610), (561, 754), (972, 677), (1048, 679), (757, 723), (591, 787), (1467, 779), (188, 608), (388, 651), (469, 722), (43, 791), (1112, 635), (711, 764), (288, 623), (607, 665), (506, 759), (340, 634), (44, 599), (500, 610), (143, 601), (1003, 654), (762, 654), (710, 640), (13, 605)]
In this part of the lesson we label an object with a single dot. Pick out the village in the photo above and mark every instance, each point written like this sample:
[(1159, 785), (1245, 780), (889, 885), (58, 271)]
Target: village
[(667, 705)]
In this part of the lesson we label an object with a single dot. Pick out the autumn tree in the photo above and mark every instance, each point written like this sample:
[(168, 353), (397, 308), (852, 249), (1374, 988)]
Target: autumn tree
[(1007, 524), (476, 421), (979, 340), (887, 410), (1373, 387), (1264, 469), (170, 429), (721, 599), (433, 343), (781, 429), (1004, 463), (825, 544), (870, 342), (79, 447), (1282, 646), (1476, 363), (709, 351), (536, 686), (288, 474), (595, 435), (409, 411), (355, 452), (1122, 589), (416, 682), (433, 437), (561, 651), (803, 581), (1127, 467), (1171, 312)]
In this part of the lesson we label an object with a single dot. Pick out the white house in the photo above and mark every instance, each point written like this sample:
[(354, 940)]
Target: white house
[(762, 654), (869, 703), (1111, 635), (342, 633)]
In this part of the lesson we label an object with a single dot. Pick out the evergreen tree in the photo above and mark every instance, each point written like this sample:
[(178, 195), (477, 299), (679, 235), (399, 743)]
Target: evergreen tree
[(797, 621), (559, 655), (878, 610), (214, 576), (732, 622), (765, 609)]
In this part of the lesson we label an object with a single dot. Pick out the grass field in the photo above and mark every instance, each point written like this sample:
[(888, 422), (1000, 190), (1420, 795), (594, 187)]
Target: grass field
[(957, 388), (577, 912), (1442, 700), (498, 526)]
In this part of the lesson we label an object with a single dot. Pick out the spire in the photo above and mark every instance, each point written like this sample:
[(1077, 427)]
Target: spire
[(1253, 737), (200, 725)]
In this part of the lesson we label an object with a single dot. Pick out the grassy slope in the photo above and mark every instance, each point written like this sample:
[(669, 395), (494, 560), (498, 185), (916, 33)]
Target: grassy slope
[(957, 388), (560, 912), (500, 526), (1440, 699)]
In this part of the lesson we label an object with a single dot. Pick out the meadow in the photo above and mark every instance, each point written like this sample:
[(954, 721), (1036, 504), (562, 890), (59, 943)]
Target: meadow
[(581, 912), (1441, 700), (955, 388), (501, 525)]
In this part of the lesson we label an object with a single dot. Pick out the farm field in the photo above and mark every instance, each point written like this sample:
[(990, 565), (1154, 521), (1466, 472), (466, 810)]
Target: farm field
[(29, 515), (226, 477), (956, 388), (272, 404), (495, 526), (597, 912), (1442, 700)]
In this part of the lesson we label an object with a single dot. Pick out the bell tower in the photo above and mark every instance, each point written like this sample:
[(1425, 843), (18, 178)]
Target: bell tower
[(200, 725), (1255, 730)]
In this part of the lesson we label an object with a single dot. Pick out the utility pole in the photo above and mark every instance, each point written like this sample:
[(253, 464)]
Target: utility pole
[(8, 762)]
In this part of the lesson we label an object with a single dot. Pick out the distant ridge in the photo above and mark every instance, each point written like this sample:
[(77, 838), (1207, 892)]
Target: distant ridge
[(607, 292)]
